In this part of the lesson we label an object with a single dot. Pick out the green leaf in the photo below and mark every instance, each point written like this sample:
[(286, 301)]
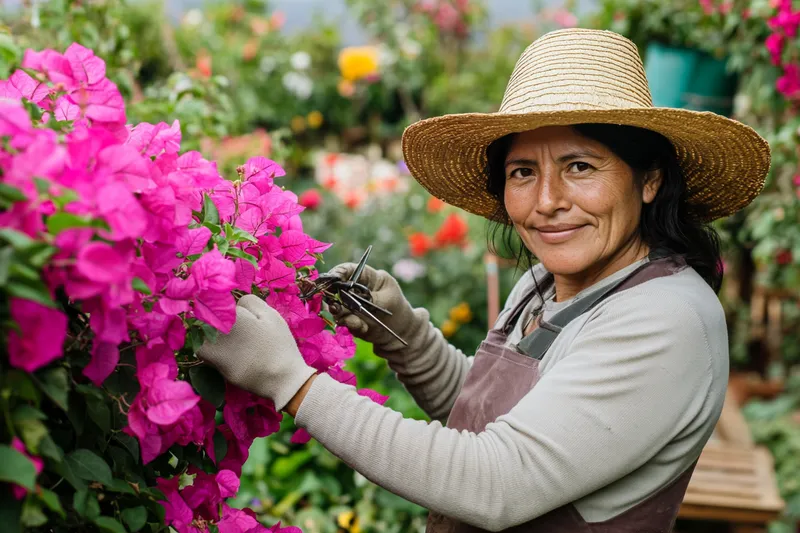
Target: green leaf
[(210, 332), (16, 468), (27, 412), (15, 238), (6, 254), (42, 185), (29, 290), (88, 466), (99, 413), (208, 383), (55, 384), (32, 433), (22, 385), (50, 499), (38, 254), (285, 467), (220, 446), (11, 194), (65, 470), (210, 213), (215, 229), (135, 517), (130, 444), (50, 449), (120, 485), (32, 515), (140, 286), (106, 523), (63, 221), (238, 234), (85, 504), (241, 254)]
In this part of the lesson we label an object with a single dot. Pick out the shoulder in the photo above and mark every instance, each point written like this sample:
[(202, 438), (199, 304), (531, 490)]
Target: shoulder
[(683, 298)]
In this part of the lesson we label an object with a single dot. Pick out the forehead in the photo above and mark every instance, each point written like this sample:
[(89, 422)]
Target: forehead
[(554, 139)]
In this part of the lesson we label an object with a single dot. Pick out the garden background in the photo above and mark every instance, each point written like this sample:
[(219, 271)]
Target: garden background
[(328, 96)]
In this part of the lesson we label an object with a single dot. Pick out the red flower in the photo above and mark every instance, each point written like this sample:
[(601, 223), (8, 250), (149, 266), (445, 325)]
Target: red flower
[(784, 257), (435, 205), (419, 244), (310, 199), (452, 231)]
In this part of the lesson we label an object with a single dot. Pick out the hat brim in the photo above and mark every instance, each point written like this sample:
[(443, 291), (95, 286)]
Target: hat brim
[(724, 162)]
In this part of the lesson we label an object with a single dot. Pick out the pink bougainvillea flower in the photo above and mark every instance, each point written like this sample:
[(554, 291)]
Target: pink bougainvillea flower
[(775, 44), (18, 491), (21, 85), (42, 331), (105, 356), (373, 395), (249, 416), (168, 400), (152, 140), (789, 83), (178, 514)]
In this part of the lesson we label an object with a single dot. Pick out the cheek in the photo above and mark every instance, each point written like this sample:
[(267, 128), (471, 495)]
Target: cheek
[(517, 204)]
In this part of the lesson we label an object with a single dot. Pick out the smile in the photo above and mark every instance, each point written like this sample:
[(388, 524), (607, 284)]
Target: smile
[(557, 234)]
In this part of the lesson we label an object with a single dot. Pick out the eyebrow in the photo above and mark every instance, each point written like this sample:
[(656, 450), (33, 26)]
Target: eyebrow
[(564, 158)]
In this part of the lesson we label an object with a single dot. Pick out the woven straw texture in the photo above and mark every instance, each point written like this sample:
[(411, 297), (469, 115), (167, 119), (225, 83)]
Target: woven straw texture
[(580, 76)]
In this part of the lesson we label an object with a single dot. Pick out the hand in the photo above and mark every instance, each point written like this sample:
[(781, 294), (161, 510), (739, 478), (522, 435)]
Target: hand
[(260, 354), (386, 293)]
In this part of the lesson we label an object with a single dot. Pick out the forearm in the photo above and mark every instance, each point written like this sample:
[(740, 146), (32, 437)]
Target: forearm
[(432, 369)]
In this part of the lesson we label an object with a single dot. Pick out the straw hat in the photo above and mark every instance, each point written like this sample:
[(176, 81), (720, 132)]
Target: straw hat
[(579, 76)]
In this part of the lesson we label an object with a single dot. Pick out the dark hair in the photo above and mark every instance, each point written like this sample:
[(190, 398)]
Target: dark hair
[(667, 222)]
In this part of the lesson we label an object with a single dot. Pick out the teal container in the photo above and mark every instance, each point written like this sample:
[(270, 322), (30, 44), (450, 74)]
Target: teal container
[(689, 79)]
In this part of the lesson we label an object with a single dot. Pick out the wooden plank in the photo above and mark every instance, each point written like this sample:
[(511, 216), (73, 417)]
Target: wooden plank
[(705, 512)]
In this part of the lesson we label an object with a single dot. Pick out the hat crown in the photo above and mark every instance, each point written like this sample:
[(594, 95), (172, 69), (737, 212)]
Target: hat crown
[(577, 69)]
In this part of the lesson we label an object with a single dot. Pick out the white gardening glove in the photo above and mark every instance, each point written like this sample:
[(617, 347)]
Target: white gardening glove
[(386, 293), (260, 354)]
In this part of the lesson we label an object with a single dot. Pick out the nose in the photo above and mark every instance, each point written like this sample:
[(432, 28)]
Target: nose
[(550, 194)]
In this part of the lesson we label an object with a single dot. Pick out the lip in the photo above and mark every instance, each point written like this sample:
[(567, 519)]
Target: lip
[(557, 233)]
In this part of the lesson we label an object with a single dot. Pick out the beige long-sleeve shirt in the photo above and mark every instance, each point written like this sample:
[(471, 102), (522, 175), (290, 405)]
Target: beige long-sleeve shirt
[(629, 394)]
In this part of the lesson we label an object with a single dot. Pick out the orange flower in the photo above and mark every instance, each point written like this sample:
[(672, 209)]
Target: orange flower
[(453, 231), (435, 205), (250, 49), (419, 244), (203, 64)]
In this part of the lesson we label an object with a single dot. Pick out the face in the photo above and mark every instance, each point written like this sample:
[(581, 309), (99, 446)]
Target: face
[(575, 204)]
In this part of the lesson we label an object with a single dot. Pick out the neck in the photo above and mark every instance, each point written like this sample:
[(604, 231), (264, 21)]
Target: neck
[(568, 285)]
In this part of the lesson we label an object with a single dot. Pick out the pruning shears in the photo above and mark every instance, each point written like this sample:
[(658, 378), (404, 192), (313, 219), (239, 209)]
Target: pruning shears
[(351, 294)]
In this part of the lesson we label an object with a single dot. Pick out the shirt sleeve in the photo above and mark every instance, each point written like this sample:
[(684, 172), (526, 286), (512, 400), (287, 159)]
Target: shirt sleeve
[(636, 375)]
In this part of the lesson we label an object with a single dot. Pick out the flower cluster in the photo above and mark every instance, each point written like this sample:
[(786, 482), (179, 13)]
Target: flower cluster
[(449, 16), (134, 249), (453, 232), (355, 179), (784, 27)]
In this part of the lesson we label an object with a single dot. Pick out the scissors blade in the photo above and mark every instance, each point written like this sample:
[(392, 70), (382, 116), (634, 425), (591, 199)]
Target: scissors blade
[(361, 309), (366, 302), (361, 264)]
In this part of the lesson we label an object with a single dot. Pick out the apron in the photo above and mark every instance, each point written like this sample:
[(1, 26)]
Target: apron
[(501, 376)]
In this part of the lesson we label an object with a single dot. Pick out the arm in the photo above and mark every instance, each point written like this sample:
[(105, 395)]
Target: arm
[(628, 387)]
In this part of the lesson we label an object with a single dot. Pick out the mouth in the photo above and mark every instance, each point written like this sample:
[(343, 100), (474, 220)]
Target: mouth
[(558, 233)]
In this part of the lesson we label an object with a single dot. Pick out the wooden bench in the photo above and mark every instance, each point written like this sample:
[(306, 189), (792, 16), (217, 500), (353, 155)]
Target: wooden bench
[(734, 480)]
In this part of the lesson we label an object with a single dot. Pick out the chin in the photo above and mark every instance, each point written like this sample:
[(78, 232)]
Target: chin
[(565, 262)]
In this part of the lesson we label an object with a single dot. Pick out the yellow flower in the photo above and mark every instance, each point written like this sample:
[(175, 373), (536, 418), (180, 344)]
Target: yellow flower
[(349, 521), (357, 62), (314, 120), (461, 314), (298, 124), (449, 328)]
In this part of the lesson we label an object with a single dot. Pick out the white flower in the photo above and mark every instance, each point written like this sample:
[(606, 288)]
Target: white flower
[(267, 64), (408, 270), (193, 17), (300, 60), (410, 48), (299, 84)]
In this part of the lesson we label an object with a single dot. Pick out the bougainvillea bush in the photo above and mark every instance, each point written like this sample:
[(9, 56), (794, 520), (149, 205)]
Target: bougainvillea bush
[(119, 257)]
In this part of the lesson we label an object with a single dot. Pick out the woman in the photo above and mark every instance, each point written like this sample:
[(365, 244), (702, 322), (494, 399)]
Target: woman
[(588, 404)]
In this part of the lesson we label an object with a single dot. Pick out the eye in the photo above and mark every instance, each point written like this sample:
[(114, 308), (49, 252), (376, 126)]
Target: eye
[(522, 172), (580, 166)]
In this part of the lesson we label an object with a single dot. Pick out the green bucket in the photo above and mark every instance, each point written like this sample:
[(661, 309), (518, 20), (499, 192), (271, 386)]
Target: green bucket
[(688, 78)]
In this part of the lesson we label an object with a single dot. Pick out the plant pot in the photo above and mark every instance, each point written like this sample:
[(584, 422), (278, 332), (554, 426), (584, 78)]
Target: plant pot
[(689, 79)]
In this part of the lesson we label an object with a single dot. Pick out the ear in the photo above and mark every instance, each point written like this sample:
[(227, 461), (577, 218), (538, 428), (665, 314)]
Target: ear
[(652, 182)]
